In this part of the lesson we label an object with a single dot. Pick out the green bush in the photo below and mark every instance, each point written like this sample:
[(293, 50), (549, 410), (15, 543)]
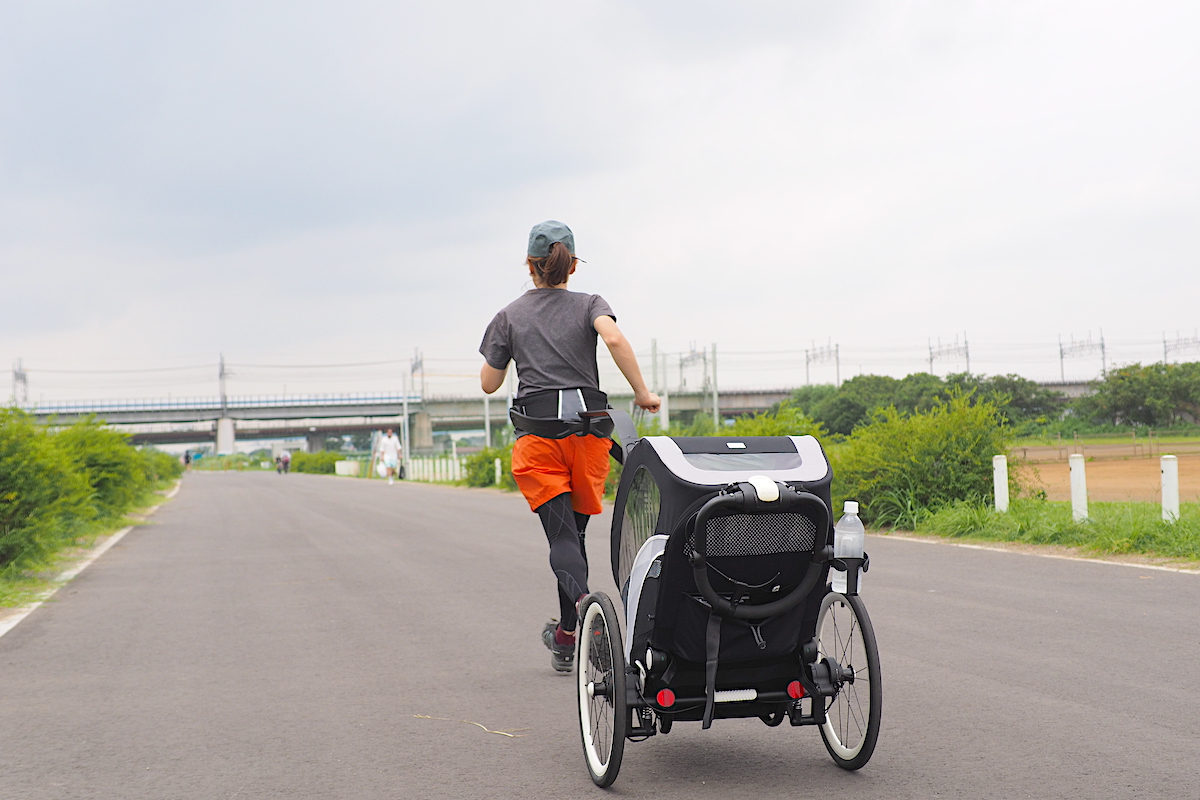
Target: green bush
[(316, 463), (480, 468), (45, 501), (787, 419), (59, 486), (901, 466), (161, 466), (116, 472)]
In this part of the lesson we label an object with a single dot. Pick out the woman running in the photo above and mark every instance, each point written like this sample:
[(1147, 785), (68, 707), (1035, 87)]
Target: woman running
[(551, 335)]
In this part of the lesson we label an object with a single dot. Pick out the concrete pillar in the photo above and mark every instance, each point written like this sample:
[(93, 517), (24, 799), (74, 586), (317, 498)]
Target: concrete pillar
[(225, 437), (315, 442), (1170, 488), (1000, 481), (422, 431), (1079, 499)]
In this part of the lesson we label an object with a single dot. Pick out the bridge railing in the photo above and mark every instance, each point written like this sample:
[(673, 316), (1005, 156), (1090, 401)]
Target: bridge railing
[(214, 403)]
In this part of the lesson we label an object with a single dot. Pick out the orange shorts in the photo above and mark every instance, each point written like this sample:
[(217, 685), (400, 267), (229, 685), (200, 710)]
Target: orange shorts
[(546, 468)]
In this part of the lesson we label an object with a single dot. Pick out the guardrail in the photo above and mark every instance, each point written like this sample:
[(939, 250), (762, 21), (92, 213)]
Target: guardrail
[(434, 469)]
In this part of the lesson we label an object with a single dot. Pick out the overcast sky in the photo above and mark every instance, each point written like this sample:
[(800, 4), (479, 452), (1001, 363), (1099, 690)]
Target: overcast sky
[(319, 183)]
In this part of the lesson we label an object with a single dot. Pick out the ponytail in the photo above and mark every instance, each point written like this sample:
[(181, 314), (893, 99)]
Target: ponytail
[(554, 268)]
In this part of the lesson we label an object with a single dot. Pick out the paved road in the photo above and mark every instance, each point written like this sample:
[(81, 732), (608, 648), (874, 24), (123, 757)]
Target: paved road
[(278, 637)]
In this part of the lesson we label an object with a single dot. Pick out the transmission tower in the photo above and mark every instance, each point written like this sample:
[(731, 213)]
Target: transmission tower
[(1180, 344), (1081, 348), (821, 355), (950, 351)]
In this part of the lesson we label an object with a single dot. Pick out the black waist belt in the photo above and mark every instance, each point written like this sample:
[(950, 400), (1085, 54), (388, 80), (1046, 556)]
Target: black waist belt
[(555, 414)]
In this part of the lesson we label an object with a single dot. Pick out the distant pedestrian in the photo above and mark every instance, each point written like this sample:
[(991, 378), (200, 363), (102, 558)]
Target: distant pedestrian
[(187, 460), (389, 452)]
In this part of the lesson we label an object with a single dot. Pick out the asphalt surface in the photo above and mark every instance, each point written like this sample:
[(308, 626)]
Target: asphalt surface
[(318, 637)]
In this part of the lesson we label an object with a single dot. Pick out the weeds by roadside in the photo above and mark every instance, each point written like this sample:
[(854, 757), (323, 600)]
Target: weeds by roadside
[(1114, 528), (61, 488)]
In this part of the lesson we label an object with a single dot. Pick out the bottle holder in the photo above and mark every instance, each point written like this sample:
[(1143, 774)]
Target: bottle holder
[(851, 566)]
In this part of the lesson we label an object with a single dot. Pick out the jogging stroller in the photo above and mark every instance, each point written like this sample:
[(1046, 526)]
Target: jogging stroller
[(722, 548)]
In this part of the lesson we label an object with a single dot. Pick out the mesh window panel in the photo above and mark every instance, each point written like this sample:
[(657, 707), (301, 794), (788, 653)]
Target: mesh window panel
[(641, 515), (759, 534)]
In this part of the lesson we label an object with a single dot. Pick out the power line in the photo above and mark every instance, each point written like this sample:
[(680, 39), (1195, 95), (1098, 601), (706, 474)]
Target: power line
[(116, 371), (319, 366)]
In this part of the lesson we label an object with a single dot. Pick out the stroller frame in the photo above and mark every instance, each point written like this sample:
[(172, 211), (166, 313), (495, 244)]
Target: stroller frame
[(722, 548)]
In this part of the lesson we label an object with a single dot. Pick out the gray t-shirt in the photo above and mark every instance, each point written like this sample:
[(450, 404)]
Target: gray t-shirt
[(550, 334)]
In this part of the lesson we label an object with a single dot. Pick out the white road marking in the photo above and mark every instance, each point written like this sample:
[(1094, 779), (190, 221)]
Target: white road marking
[(62, 580)]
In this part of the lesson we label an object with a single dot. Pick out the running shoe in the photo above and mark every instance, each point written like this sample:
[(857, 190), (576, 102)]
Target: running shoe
[(562, 656)]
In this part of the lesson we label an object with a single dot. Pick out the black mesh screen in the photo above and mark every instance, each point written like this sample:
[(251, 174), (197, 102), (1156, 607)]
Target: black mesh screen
[(759, 534), (637, 524)]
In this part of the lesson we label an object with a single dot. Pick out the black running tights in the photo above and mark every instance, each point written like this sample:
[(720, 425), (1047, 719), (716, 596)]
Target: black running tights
[(568, 555)]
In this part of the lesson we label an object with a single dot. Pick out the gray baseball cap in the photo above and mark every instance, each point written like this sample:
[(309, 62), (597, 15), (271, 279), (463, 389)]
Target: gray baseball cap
[(547, 233)]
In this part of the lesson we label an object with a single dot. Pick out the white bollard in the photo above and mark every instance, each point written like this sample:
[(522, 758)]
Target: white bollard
[(1079, 503), (1170, 488), (499, 467), (1000, 481)]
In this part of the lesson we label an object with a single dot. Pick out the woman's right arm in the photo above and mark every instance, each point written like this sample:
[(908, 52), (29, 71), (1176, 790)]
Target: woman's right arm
[(622, 353), (490, 378)]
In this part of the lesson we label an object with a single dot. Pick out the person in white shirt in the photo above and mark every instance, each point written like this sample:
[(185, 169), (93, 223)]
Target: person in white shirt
[(389, 451)]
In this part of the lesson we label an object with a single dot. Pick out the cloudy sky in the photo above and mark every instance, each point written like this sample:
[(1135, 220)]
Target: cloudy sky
[(326, 183)]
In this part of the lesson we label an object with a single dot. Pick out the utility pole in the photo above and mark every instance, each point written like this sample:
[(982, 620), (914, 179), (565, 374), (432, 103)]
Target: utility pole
[(221, 379), (226, 430), (404, 422), (716, 402), (20, 391), (654, 387), (418, 363)]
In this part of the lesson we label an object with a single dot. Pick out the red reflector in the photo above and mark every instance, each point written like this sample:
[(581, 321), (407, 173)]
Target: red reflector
[(795, 690), (666, 698)]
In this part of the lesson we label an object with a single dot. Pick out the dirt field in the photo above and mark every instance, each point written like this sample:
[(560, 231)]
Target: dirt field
[(1116, 479)]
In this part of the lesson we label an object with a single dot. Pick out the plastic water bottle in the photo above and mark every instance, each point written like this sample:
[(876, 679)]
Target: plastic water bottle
[(848, 540)]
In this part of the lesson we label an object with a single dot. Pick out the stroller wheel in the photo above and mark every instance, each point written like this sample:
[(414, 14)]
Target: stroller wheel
[(600, 665), (845, 635)]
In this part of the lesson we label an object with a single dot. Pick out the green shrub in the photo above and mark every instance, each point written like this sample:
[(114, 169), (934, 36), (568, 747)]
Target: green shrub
[(901, 466), (480, 468), (787, 419), (161, 466), (316, 463), (45, 500), (116, 472)]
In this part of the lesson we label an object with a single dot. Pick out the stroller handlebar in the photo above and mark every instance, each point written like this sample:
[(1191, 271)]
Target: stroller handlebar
[(744, 497)]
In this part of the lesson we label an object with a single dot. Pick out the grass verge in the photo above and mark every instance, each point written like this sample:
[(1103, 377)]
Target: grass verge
[(1113, 529)]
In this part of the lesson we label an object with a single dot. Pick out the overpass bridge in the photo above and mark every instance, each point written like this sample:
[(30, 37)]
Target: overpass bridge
[(222, 420)]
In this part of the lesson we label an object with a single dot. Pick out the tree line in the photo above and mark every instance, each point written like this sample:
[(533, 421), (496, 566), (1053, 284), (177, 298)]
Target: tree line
[(1155, 396)]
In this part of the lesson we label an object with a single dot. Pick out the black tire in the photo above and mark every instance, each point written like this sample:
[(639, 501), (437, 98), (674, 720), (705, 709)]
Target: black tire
[(844, 633), (600, 665)]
